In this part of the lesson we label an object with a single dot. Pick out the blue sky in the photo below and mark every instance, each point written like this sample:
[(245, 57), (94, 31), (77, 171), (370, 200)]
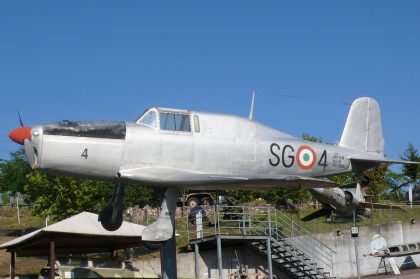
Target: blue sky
[(307, 60)]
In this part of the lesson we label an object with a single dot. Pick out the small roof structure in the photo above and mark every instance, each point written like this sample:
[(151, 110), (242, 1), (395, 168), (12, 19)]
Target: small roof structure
[(82, 233)]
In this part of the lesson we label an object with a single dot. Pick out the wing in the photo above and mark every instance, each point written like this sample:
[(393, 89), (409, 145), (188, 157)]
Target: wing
[(374, 159), (378, 205), (161, 176)]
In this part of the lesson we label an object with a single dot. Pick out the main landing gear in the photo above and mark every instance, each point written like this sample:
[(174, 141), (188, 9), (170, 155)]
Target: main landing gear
[(155, 234), (111, 216), (163, 229), (158, 235)]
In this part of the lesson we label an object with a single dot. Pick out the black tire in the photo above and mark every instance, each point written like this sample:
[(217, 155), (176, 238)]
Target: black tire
[(154, 245), (206, 201), (105, 217), (192, 202)]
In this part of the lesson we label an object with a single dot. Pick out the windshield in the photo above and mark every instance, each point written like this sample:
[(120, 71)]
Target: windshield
[(148, 119)]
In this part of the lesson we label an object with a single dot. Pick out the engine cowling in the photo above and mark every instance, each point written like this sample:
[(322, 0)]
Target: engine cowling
[(351, 201)]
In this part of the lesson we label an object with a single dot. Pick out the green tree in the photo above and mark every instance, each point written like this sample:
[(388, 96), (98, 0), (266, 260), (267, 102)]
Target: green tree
[(411, 171), (13, 172), (142, 195), (378, 185), (241, 196), (308, 137), (63, 196)]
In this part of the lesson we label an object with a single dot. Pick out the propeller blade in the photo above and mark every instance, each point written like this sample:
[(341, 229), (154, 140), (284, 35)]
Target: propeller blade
[(20, 120), (317, 214), (30, 154)]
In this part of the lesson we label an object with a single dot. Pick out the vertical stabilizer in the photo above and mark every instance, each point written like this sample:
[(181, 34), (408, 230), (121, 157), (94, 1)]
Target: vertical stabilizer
[(363, 129)]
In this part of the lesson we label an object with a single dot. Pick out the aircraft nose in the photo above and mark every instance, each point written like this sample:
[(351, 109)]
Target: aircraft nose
[(19, 135)]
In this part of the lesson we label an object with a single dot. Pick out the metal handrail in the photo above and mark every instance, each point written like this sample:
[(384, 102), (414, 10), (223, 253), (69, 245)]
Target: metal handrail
[(304, 241), (262, 221)]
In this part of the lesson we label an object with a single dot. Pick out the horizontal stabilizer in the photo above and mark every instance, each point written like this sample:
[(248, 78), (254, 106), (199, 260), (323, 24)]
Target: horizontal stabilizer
[(361, 159), (319, 213)]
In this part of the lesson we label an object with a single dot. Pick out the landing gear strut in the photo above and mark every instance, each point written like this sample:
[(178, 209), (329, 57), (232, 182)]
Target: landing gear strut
[(163, 228), (111, 216)]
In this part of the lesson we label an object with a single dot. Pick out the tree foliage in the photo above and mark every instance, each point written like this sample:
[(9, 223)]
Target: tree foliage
[(378, 185), (63, 196), (411, 171), (309, 137), (13, 172)]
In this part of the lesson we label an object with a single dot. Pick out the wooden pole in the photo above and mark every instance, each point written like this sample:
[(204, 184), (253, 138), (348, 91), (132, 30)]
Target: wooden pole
[(12, 264), (52, 258)]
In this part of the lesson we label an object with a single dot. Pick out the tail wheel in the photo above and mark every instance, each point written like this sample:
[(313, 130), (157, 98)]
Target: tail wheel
[(154, 245)]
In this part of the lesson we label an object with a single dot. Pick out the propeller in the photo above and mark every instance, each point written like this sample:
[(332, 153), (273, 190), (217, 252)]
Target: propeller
[(30, 153), (20, 119), (21, 133), (319, 213)]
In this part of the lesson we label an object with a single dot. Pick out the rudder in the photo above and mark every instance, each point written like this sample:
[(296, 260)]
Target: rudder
[(363, 129)]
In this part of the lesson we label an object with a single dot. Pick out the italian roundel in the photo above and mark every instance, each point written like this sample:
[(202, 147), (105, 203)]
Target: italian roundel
[(306, 157)]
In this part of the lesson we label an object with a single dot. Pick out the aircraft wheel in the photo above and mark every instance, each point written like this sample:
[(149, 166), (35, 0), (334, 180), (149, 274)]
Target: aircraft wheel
[(105, 217), (206, 202), (192, 202), (154, 245)]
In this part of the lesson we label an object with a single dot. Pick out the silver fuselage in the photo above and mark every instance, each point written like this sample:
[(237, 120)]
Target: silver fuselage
[(217, 148)]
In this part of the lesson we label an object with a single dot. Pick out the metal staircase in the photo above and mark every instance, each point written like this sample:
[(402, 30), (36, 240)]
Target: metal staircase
[(268, 232)]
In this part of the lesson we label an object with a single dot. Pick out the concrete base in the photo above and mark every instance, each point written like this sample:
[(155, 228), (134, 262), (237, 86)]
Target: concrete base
[(345, 259)]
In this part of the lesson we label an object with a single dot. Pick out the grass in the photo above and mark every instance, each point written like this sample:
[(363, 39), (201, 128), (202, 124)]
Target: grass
[(9, 225), (379, 216), (9, 221)]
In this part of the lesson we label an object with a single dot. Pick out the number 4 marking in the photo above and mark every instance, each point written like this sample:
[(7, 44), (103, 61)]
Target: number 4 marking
[(85, 153), (323, 160)]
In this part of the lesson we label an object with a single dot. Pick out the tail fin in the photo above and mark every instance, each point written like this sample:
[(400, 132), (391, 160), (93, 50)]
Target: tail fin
[(363, 129)]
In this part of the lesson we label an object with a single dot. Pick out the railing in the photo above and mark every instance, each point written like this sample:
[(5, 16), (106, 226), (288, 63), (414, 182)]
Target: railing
[(257, 221), (292, 233)]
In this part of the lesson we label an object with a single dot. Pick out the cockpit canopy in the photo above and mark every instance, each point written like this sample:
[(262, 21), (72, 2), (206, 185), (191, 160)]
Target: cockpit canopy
[(168, 120)]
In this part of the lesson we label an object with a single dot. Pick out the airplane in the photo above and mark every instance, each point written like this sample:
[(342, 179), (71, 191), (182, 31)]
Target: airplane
[(344, 202), (191, 150)]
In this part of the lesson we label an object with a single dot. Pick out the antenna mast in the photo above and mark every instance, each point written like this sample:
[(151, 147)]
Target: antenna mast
[(251, 112)]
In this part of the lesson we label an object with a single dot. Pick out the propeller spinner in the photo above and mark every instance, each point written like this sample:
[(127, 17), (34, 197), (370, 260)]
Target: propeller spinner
[(19, 135)]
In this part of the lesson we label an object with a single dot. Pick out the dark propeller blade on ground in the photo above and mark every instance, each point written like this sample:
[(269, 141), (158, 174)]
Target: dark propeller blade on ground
[(317, 214)]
